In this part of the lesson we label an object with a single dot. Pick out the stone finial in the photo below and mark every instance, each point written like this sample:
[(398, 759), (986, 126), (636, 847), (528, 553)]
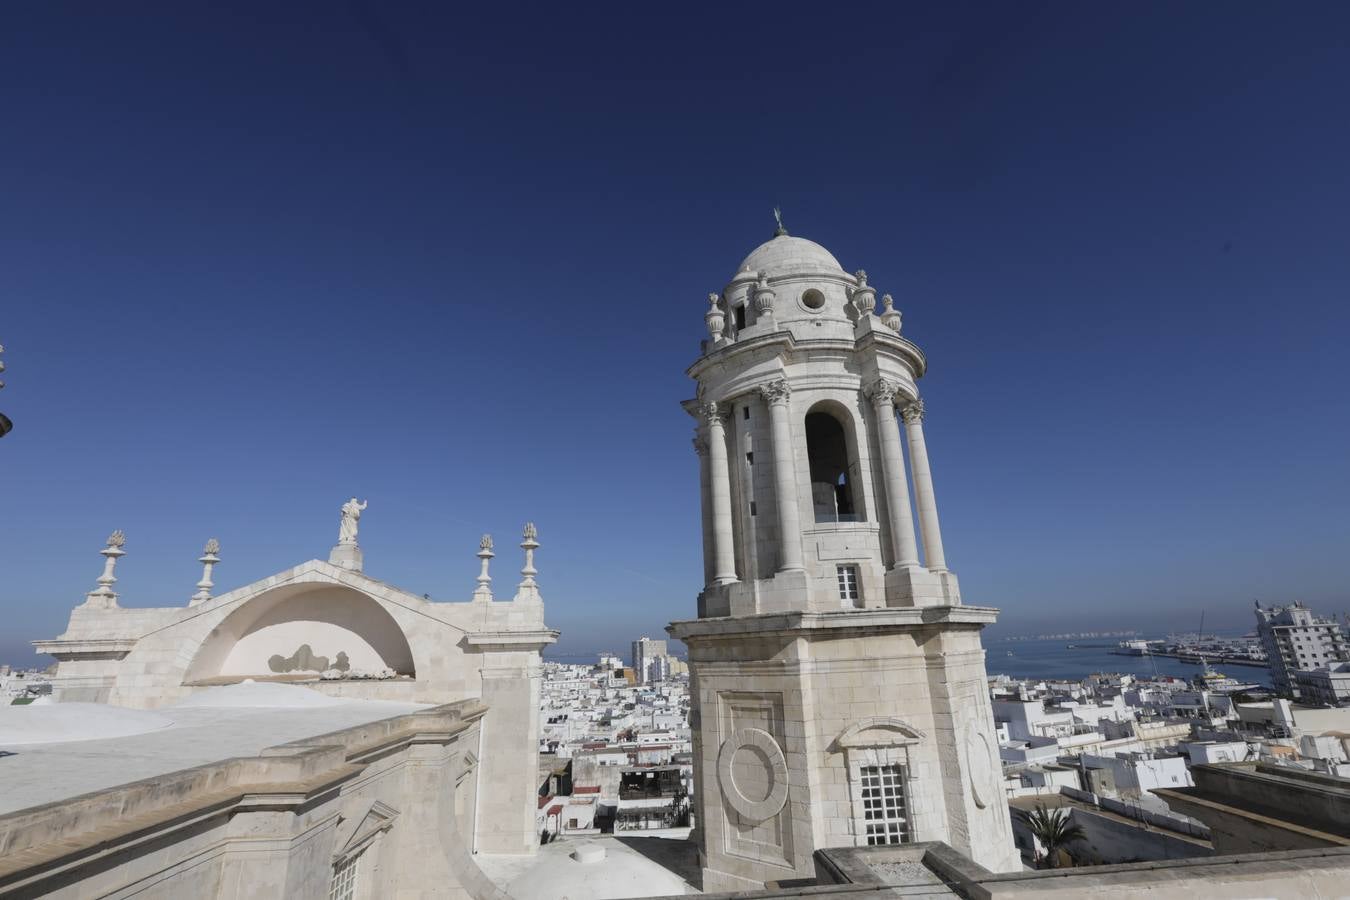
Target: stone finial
[(779, 230), (528, 590), (103, 595), (484, 589), (890, 316), (764, 295), (210, 556), (715, 318), (913, 412), (863, 296)]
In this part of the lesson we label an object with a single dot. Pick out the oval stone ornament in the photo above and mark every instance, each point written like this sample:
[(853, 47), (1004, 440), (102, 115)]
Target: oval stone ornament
[(978, 752), (756, 742)]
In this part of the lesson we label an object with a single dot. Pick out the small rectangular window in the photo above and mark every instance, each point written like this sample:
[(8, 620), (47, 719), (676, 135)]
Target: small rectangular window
[(750, 457), (753, 510), (740, 316), (343, 885), (848, 584), (745, 413)]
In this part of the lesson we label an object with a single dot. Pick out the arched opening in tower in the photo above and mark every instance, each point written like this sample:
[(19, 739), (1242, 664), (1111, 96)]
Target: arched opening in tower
[(831, 484)]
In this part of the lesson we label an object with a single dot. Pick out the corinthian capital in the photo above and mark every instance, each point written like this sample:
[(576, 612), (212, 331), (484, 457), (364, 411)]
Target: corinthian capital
[(775, 391), (883, 391), (700, 445), (713, 413), (913, 412)]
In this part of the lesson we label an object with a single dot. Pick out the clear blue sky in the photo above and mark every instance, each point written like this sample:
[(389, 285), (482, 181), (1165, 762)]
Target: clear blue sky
[(256, 260)]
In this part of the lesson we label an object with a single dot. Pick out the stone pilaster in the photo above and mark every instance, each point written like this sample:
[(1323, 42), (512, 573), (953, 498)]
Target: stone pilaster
[(705, 505), (508, 790)]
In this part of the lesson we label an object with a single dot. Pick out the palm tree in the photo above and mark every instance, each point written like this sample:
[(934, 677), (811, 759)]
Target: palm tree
[(1054, 830)]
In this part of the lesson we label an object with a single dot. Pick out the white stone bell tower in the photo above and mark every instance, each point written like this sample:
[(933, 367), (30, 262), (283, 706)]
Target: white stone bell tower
[(838, 681)]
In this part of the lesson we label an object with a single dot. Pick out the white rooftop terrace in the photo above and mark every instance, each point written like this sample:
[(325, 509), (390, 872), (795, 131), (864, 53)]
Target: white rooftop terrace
[(53, 752)]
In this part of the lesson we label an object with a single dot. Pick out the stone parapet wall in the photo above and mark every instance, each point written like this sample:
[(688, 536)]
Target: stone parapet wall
[(270, 824)]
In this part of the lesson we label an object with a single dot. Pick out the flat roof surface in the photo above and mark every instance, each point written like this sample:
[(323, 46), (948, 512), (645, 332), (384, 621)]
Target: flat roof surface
[(34, 774), (636, 864)]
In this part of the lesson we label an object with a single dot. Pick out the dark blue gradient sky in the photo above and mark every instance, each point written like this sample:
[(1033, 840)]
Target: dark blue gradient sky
[(256, 259)]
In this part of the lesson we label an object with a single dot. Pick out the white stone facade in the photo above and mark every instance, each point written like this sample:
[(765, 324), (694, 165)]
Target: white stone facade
[(838, 682), (331, 627)]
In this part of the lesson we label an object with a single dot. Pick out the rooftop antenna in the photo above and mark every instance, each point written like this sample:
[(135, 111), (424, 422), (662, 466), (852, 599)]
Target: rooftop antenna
[(780, 231)]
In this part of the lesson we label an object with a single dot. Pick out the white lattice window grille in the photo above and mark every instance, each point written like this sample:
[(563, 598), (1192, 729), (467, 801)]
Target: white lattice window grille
[(848, 585), (882, 792), (888, 803), (345, 872)]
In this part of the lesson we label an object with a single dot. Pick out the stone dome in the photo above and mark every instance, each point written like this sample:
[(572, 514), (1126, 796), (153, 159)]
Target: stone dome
[(788, 255)]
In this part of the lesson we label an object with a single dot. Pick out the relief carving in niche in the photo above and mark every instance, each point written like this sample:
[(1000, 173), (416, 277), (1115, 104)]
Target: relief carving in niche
[(304, 660)]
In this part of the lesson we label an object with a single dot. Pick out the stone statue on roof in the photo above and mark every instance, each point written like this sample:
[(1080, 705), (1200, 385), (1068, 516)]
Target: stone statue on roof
[(351, 514)]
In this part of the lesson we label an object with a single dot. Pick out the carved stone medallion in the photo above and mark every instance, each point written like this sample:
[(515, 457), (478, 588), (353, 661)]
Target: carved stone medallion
[(753, 774)]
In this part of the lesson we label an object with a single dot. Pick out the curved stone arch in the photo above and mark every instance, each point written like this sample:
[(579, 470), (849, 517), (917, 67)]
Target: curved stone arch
[(855, 443), (852, 736), (267, 624)]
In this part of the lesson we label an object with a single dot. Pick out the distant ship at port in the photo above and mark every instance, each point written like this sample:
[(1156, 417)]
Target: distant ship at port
[(1195, 649), (1210, 680)]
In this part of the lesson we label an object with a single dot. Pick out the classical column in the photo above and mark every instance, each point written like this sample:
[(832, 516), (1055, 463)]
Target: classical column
[(719, 478), (923, 489), (705, 505), (903, 545), (776, 393)]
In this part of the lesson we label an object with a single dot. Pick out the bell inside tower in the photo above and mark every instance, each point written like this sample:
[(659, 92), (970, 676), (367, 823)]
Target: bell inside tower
[(831, 481)]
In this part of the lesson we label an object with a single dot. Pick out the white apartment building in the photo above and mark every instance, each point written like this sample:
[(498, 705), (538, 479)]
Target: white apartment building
[(1135, 774), (1295, 639), (647, 656), (1327, 685)]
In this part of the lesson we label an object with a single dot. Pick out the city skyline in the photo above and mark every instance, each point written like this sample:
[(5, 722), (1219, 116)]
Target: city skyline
[(379, 260)]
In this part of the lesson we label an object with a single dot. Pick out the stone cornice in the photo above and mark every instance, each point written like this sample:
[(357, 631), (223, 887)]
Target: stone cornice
[(535, 639), (880, 341), (86, 648), (861, 620)]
